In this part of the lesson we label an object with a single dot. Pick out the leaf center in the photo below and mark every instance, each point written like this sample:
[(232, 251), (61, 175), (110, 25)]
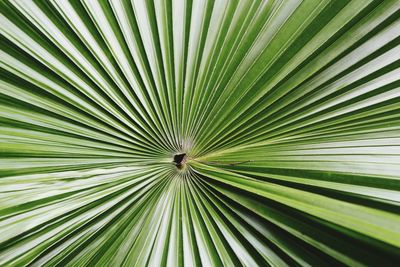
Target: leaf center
[(180, 160)]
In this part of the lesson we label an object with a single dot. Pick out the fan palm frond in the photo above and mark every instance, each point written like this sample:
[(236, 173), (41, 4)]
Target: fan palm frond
[(188, 133)]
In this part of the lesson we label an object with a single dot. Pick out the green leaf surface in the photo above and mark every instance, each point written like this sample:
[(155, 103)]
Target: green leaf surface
[(288, 113)]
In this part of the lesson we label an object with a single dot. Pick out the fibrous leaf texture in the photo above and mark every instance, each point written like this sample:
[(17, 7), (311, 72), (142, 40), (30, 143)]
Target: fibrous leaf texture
[(199, 133)]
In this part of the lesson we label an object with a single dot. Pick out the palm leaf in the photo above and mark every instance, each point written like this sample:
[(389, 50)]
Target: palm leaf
[(199, 132)]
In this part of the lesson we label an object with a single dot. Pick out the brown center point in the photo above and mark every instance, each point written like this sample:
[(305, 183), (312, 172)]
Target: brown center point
[(180, 160)]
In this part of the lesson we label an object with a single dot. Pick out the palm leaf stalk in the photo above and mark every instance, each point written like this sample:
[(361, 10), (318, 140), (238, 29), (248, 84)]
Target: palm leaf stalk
[(189, 133)]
